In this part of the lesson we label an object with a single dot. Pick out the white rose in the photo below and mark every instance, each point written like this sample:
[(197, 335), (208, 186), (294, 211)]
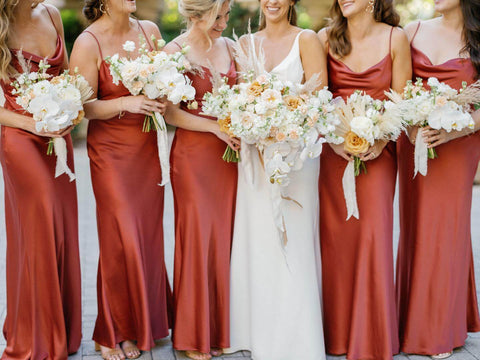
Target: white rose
[(129, 46)]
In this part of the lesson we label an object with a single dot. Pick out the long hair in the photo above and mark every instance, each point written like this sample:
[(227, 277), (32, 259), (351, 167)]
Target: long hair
[(6, 15), (292, 17), (471, 31), (92, 9), (337, 32)]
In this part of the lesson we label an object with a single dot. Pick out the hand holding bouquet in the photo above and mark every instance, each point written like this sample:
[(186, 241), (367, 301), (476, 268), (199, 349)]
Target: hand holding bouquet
[(362, 124), (55, 103), (441, 107), (154, 74)]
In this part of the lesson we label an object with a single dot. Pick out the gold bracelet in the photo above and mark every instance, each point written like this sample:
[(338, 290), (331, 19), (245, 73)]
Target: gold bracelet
[(121, 113)]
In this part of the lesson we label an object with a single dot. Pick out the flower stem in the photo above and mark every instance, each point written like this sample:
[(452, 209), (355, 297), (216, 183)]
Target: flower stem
[(432, 153), (50, 147), (231, 155), (359, 165)]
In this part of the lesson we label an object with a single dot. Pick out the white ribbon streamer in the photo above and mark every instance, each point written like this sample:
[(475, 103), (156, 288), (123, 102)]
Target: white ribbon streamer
[(246, 153), (163, 153), (60, 148), (349, 190), (421, 155)]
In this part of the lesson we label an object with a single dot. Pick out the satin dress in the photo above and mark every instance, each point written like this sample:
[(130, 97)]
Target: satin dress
[(204, 190), (44, 309), (436, 295), (132, 284), (357, 255)]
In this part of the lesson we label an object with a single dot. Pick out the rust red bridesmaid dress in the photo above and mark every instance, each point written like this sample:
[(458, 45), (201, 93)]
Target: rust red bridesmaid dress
[(204, 189), (437, 302), (357, 255), (132, 284), (43, 267)]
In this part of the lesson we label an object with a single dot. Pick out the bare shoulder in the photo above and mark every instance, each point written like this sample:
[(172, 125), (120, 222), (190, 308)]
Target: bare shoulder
[(174, 45), (411, 29), (229, 41), (54, 12), (86, 46), (150, 28), (308, 36), (400, 43), (323, 35)]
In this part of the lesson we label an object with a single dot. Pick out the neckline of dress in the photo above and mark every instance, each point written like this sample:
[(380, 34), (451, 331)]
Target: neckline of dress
[(55, 55), (363, 71), (289, 53), (430, 61)]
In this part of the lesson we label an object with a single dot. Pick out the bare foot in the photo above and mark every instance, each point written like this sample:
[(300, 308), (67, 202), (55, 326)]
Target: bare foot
[(216, 352), (110, 354), (196, 355), (130, 349)]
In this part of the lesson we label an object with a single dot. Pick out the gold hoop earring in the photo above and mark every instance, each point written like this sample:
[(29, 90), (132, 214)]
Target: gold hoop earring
[(370, 7), (102, 8)]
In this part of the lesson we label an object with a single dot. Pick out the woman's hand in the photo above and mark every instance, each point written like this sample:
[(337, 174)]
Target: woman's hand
[(412, 132), (340, 151), (30, 127), (433, 137), (374, 151), (140, 104), (234, 143)]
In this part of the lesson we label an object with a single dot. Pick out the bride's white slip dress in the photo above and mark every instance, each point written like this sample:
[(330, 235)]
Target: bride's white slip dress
[(275, 306)]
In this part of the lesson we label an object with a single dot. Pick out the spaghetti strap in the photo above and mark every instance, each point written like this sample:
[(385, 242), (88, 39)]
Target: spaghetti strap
[(390, 41), (173, 41), (228, 48), (415, 33), (145, 34), (98, 43), (51, 18)]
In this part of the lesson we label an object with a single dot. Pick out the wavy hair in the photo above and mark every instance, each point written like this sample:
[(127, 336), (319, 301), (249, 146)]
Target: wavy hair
[(6, 15), (337, 32), (471, 31), (92, 9), (292, 16)]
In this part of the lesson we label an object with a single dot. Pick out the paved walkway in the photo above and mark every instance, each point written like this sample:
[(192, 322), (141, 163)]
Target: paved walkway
[(163, 350)]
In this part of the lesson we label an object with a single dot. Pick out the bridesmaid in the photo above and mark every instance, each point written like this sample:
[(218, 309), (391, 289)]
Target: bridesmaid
[(43, 267), (204, 189), (357, 255), (132, 287), (436, 295)]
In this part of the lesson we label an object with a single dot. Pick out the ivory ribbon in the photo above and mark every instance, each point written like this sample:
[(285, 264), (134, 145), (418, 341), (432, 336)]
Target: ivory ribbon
[(60, 148), (421, 155), (162, 144), (349, 190), (247, 162)]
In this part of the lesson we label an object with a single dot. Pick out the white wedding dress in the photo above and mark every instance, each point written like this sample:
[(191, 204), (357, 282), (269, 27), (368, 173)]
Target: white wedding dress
[(275, 305)]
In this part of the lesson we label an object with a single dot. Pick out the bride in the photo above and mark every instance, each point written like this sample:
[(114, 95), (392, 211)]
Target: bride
[(275, 288)]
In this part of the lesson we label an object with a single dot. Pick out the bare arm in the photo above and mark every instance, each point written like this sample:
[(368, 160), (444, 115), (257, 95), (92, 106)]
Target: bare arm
[(402, 60), (314, 57)]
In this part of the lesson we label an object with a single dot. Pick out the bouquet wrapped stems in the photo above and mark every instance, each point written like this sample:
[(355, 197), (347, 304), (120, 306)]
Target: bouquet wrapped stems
[(359, 165), (151, 122), (231, 155)]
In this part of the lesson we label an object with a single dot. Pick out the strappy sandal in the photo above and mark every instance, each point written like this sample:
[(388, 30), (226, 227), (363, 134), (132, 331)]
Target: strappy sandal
[(110, 353), (216, 352), (196, 355), (129, 349), (442, 355)]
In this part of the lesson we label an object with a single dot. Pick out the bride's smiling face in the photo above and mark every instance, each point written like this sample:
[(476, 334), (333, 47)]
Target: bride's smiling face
[(275, 10)]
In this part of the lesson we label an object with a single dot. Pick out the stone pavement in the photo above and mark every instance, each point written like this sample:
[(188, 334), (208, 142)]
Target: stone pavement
[(163, 350)]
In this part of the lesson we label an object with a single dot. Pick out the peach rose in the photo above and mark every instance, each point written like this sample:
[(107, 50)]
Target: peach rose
[(354, 144), (293, 102), (225, 126), (255, 89), (440, 100), (81, 115), (280, 136)]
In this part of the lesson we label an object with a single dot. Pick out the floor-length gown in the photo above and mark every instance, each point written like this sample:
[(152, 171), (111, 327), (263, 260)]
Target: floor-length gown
[(204, 188), (357, 255), (275, 300), (43, 266), (436, 295), (132, 284)]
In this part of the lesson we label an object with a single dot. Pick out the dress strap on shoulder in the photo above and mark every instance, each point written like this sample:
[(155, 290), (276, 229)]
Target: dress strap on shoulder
[(145, 34), (415, 33), (176, 43), (98, 43), (390, 41), (51, 18)]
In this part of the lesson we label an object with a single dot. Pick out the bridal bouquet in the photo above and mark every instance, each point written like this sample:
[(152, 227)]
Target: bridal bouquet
[(56, 103), (285, 121), (362, 123), (154, 74), (441, 107)]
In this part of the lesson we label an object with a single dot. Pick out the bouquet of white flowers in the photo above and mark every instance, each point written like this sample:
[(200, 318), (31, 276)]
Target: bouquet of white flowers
[(441, 107), (362, 123), (154, 74), (285, 121), (55, 103)]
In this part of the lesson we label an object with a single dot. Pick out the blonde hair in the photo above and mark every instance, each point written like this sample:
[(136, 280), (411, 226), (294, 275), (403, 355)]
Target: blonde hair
[(6, 14), (199, 8)]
